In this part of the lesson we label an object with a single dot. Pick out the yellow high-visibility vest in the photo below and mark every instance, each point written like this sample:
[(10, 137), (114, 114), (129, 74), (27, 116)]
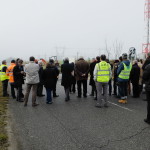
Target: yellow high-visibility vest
[(103, 71), (3, 75), (125, 74)]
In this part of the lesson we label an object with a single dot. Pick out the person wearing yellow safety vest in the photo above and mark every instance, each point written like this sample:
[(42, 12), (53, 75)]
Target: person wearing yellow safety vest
[(102, 75), (123, 73), (9, 73), (4, 78)]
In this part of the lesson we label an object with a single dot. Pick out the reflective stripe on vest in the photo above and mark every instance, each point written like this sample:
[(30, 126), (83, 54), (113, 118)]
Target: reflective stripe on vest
[(103, 72), (125, 74)]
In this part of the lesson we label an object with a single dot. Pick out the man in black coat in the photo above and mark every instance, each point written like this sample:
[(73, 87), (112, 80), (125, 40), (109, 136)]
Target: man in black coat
[(56, 79), (147, 61), (19, 74), (49, 75), (73, 80), (134, 78), (66, 70), (92, 82), (146, 79)]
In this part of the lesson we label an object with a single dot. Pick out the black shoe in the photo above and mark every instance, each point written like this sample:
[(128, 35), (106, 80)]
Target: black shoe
[(20, 100), (98, 106), (7, 95), (135, 96), (84, 96), (114, 94), (55, 95), (14, 97), (147, 121), (22, 96), (78, 96), (144, 99), (25, 105), (33, 105), (91, 94), (41, 95)]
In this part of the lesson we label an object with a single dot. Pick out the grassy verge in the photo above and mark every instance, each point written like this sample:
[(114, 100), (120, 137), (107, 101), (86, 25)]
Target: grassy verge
[(3, 110)]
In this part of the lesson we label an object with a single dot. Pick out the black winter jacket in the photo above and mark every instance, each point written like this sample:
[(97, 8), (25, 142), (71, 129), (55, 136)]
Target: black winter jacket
[(49, 76)]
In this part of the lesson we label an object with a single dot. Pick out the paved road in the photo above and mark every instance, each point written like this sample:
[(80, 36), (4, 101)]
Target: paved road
[(77, 124)]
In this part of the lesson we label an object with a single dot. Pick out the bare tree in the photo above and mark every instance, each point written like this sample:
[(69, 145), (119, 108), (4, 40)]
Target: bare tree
[(107, 49), (117, 47)]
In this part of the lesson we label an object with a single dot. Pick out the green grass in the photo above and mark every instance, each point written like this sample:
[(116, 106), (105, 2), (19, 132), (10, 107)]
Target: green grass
[(3, 117)]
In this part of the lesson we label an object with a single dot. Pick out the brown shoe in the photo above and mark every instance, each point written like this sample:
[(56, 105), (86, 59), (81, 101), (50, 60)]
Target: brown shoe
[(33, 105)]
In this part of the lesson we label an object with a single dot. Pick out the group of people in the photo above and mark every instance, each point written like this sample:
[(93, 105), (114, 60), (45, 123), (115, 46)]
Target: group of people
[(102, 74)]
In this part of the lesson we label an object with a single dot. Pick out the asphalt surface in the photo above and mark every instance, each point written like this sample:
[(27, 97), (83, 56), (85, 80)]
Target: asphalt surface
[(78, 125)]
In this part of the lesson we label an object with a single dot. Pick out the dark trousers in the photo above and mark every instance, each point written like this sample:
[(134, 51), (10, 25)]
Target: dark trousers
[(136, 90), (39, 89), (73, 88), (5, 85), (54, 89), (123, 89), (12, 85), (19, 92), (94, 91), (110, 86), (148, 104), (115, 87), (49, 95), (67, 93), (79, 84), (34, 93)]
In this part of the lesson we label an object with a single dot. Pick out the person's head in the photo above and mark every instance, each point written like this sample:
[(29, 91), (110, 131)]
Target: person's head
[(124, 56), (120, 58), (141, 61), (98, 58), (93, 59), (40, 62), (51, 61), (31, 58), (116, 61), (4, 62), (103, 57), (135, 62), (148, 55), (20, 62), (13, 61), (48, 65), (66, 60), (81, 58)]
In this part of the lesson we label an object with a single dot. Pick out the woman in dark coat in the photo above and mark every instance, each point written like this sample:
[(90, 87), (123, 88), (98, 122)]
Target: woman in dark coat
[(19, 74), (134, 77), (146, 79), (66, 70), (49, 76)]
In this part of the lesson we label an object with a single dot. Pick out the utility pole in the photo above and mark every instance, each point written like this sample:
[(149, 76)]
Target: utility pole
[(146, 46)]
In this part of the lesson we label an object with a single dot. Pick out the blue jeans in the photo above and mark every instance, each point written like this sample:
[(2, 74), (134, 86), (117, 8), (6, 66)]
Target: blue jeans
[(123, 89), (49, 95)]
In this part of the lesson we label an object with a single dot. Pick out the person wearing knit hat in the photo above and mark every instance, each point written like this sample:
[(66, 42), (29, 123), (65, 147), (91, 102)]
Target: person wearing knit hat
[(123, 73)]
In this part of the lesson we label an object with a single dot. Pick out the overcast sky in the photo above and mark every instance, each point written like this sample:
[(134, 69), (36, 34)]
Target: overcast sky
[(37, 27)]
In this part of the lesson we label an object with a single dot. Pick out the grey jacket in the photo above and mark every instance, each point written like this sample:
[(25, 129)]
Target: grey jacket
[(32, 73)]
